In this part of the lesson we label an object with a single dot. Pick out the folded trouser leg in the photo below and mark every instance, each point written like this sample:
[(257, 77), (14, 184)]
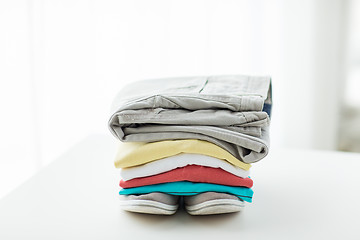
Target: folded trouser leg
[(209, 203), (151, 203), (229, 111)]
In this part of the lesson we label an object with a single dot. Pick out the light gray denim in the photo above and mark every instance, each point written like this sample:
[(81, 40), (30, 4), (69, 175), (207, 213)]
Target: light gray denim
[(225, 110)]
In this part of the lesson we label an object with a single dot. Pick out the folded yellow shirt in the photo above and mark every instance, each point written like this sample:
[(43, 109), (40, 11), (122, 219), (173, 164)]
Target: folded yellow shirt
[(132, 154)]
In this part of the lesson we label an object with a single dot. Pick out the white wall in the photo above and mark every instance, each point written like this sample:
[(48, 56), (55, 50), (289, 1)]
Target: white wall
[(89, 50), (18, 151), (65, 60)]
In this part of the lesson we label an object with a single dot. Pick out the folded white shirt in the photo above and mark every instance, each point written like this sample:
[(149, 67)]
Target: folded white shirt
[(180, 160)]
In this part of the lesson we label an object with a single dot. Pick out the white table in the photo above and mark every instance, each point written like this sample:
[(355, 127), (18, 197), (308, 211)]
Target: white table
[(298, 195)]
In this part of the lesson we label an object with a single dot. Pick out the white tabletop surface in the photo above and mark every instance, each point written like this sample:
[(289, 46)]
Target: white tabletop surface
[(297, 195)]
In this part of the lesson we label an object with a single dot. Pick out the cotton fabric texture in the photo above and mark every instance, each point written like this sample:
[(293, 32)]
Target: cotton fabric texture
[(224, 110), (137, 153), (177, 161), (210, 203), (184, 188), (191, 173), (151, 203)]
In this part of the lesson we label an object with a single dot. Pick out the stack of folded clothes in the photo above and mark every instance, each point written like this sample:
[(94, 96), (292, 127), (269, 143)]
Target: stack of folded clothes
[(191, 138)]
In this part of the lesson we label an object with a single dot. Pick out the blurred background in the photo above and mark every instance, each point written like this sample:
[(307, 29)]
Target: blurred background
[(62, 62)]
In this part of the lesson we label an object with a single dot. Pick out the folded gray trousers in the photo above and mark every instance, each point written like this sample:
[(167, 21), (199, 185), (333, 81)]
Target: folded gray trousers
[(224, 110)]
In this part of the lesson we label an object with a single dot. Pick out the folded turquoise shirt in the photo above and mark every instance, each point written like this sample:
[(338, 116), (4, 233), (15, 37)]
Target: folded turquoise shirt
[(189, 188)]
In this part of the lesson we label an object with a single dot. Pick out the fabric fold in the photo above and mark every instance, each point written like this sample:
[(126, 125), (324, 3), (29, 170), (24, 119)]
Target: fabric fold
[(137, 153), (217, 109), (184, 188), (191, 173), (180, 160)]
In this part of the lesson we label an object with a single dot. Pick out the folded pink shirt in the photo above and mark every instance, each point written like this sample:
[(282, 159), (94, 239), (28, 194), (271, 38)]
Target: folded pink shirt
[(192, 173)]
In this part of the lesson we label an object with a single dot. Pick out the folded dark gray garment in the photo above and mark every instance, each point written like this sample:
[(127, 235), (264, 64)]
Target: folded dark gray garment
[(225, 110)]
